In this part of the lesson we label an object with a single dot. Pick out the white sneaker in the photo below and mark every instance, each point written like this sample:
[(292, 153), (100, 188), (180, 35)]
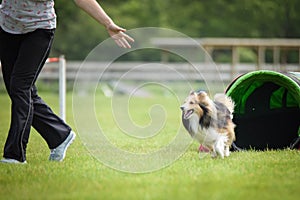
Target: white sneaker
[(11, 161), (59, 153)]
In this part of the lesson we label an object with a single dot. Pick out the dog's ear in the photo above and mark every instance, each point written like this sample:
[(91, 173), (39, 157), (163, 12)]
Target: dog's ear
[(201, 95), (203, 98), (192, 92), (200, 91)]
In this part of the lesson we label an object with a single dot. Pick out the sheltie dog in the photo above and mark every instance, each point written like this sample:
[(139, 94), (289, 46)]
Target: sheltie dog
[(210, 121)]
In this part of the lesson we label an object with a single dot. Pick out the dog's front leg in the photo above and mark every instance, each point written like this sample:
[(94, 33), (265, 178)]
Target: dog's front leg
[(227, 152), (219, 148), (213, 153)]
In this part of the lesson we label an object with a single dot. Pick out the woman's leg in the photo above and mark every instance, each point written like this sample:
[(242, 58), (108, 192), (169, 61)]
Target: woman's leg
[(22, 58), (51, 127)]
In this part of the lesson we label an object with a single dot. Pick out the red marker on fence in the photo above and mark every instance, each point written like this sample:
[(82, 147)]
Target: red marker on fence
[(52, 60)]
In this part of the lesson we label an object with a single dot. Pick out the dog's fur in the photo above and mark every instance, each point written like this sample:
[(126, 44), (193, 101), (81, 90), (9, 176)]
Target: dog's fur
[(210, 122)]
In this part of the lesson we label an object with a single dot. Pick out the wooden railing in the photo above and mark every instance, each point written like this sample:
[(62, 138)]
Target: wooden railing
[(233, 44)]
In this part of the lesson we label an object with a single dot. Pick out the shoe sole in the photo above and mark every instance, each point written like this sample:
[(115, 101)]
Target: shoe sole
[(12, 161), (68, 144)]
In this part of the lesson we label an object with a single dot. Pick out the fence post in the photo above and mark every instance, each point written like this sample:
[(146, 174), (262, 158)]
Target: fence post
[(62, 87), (234, 61)]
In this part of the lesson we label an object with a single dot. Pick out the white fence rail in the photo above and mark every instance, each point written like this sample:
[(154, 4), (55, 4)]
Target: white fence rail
[(141, 71)]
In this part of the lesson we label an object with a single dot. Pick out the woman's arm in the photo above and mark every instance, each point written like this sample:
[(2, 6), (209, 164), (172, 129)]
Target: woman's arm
[(93, 8)]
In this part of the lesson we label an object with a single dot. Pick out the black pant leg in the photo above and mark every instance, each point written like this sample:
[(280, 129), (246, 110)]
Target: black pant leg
[(15, 146), (51, 127), (20, 73)]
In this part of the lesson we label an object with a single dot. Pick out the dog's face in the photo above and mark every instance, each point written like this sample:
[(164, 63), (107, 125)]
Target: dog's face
[(195, 103)]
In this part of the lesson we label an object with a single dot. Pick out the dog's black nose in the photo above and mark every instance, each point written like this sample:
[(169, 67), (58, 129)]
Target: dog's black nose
[(182, 108)]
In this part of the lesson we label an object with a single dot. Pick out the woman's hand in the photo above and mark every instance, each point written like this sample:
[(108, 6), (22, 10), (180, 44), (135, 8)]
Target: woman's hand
[(119, 36)]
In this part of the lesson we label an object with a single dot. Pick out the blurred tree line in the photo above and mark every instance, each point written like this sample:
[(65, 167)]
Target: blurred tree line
[(77, 34)]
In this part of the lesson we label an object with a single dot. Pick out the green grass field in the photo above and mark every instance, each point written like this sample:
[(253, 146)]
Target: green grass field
[(244, 175)]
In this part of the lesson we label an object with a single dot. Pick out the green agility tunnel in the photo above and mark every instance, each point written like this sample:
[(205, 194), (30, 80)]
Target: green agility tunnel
[(267, 111)]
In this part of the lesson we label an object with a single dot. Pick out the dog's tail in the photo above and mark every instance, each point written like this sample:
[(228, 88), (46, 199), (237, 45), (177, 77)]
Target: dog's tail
[(227, 101)]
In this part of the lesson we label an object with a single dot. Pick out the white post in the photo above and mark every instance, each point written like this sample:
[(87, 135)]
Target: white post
[(62, 87), (276, 58), (235, 60)]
